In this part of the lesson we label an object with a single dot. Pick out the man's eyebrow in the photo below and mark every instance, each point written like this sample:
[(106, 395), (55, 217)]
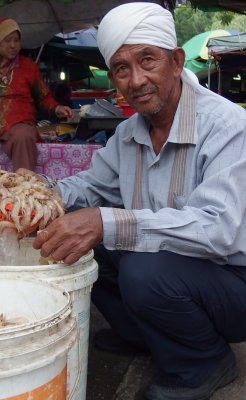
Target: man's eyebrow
[(141, 52), (145, 50), (115, 63)]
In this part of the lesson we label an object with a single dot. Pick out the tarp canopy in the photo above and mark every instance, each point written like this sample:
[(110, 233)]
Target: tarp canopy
[(86, 54), (81, 37), (40, 20), (227, 44), (75, 61)]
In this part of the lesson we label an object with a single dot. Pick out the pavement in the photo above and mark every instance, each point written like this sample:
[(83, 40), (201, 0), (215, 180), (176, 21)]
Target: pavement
[(114, 377)]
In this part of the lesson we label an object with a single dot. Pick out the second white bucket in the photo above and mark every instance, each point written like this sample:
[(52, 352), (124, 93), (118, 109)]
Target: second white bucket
[(37, 330), (78, 280)]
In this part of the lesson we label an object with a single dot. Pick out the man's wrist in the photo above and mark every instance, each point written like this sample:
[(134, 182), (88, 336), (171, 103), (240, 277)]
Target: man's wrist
[(49, 182)]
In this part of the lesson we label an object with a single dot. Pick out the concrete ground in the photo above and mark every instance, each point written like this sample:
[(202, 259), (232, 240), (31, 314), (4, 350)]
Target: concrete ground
[(113, 377)]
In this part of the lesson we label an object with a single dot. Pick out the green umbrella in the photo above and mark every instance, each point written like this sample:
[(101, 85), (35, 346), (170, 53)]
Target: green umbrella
[(196, 51), (196, 47)]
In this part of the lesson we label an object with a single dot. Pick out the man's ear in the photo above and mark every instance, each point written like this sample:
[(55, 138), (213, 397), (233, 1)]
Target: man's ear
[(179, 59)]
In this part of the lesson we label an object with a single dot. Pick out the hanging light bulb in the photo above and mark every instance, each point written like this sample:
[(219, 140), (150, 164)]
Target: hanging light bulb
[(62, 76)]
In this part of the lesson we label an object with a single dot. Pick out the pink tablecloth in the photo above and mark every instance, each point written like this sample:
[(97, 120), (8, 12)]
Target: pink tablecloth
[(58, 160)]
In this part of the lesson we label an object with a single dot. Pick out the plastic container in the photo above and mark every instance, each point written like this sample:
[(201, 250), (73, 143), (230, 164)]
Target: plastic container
[(87, 96), (126, 109), (36, 333), (78, 102), (95, 94), (77, 279)]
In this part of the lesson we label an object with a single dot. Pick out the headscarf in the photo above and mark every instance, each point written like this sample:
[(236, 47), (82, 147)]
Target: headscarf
[(7, 26), (138, 23)]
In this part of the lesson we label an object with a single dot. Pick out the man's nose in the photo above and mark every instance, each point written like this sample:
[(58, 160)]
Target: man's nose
[(138, 77)]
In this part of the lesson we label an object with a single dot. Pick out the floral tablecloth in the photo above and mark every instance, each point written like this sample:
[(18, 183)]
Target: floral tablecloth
[(58, 160)]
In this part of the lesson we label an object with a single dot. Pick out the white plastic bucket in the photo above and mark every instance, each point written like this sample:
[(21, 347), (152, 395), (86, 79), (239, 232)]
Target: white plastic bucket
[(78, 280), (38, 332)]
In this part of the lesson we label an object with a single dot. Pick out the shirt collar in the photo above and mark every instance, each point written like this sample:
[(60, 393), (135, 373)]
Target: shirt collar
[(183, 129)]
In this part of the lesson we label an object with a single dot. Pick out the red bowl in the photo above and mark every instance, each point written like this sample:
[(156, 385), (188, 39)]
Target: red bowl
[(126, 110)]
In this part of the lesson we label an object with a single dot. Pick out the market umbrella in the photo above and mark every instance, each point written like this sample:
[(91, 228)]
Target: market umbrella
[(40, 20), (196, 50)]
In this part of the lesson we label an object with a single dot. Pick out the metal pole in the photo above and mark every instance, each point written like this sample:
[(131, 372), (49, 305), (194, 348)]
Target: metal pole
[(209, 72), (39, 53), (219, 81)]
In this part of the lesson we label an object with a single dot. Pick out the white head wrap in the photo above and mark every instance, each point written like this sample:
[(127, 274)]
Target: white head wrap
[(135, 23), (138, 23)]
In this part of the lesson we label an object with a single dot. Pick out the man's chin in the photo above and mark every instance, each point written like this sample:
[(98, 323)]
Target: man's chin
[(148, 109)]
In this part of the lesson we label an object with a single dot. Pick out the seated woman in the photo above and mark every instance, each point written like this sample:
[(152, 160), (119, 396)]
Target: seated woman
[(22, 93)]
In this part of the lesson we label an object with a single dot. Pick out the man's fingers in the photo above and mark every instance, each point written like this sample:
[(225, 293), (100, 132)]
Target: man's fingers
[(65, 254), (41, 238)]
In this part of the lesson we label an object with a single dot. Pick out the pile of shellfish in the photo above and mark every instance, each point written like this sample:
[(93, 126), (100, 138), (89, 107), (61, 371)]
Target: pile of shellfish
[(26, 204)]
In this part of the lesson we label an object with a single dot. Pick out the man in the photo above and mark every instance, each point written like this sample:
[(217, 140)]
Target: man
[(166, 199), (22, 93)]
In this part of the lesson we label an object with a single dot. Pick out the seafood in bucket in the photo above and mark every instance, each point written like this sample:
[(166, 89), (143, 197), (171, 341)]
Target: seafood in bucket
[(6, 322), (26, 204)]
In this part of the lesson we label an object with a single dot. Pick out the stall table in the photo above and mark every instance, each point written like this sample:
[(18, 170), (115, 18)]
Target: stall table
[(58, 160)]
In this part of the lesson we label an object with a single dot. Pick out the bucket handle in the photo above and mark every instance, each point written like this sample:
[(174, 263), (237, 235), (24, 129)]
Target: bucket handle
[(79, 369)]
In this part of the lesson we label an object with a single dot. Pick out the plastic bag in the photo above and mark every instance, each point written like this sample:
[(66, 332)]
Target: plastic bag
[(102, 108)]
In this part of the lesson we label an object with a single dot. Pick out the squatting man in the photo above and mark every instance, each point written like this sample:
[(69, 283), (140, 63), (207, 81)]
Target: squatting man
[(163, 205)]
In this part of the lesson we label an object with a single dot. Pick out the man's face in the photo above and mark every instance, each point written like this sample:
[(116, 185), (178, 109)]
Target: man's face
[(145, 75), (10, 46)]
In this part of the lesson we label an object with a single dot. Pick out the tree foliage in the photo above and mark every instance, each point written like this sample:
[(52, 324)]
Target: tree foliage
[(190, 22), (237, 22)]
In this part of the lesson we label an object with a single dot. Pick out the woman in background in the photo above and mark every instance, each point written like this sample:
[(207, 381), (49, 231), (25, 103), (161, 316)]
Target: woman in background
[(22, 93)]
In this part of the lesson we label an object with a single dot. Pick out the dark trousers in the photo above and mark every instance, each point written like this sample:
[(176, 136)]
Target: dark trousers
[(185, 310)]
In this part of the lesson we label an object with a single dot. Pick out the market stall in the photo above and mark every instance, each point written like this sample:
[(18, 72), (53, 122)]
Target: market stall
[(228, 56), (58, 160), (196, 51)]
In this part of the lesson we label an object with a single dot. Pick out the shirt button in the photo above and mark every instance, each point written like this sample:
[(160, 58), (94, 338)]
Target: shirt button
[(118, 246), (156, 165), (162, 245)]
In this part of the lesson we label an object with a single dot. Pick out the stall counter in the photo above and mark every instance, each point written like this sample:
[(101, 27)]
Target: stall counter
[(58, 160)]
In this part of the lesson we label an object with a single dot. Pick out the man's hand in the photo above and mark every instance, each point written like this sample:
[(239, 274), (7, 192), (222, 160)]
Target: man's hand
[(69, 237), (24, 171)]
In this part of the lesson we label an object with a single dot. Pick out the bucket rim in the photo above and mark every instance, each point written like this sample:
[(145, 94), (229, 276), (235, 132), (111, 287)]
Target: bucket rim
[(59, 345), (43, 267), (60, 314)]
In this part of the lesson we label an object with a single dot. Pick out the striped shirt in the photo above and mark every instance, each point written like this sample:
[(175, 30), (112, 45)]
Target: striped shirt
[(189, 199)]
